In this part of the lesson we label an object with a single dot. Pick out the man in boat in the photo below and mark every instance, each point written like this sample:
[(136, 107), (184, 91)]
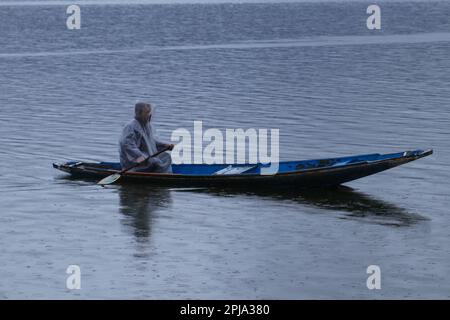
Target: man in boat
[(138, 142)]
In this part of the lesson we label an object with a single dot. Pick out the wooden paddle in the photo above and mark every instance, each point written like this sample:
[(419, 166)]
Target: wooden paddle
[(116, 176)]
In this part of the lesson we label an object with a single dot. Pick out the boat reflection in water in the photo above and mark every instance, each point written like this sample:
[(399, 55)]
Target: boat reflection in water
[(139, 205), (353, 204)]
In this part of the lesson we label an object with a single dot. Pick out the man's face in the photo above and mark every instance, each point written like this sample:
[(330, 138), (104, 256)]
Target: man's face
[(145, 115)]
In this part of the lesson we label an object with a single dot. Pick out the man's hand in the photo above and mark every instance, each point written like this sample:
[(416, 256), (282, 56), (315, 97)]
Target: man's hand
[(141, 159), (170, 146)]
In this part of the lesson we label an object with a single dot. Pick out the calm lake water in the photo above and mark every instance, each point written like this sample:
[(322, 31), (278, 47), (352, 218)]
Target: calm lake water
[(314, 71)]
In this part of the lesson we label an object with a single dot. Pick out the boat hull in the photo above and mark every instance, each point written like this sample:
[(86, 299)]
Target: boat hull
[(319, 176)]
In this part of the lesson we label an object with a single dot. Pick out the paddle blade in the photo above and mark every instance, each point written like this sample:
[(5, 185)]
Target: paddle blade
[(109, 179)]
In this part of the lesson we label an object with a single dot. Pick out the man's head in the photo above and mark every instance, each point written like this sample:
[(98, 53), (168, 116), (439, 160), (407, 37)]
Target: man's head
[(143, 111)]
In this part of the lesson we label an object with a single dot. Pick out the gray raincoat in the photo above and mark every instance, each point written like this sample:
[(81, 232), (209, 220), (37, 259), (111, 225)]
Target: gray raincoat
[(139, 140)]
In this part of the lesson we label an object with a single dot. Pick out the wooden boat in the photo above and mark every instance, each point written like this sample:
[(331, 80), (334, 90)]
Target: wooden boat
[(298, 174)]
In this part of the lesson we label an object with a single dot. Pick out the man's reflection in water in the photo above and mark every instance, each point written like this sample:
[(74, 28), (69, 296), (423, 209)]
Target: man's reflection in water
[(139, 204)]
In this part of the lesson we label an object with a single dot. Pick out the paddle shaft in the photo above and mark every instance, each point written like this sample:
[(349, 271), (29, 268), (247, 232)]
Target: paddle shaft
[(138, 164)]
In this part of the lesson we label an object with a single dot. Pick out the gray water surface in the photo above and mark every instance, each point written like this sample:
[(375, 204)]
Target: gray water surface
[(314, 71)]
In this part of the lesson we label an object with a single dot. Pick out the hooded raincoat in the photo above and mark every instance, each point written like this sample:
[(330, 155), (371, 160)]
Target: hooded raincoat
[(139, 140)]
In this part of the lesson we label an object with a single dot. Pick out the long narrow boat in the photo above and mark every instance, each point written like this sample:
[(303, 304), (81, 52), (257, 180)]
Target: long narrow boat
[(298, 174)]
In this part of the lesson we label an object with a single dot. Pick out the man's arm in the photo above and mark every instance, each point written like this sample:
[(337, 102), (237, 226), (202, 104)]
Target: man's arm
[(161, 145), (129, 147)]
